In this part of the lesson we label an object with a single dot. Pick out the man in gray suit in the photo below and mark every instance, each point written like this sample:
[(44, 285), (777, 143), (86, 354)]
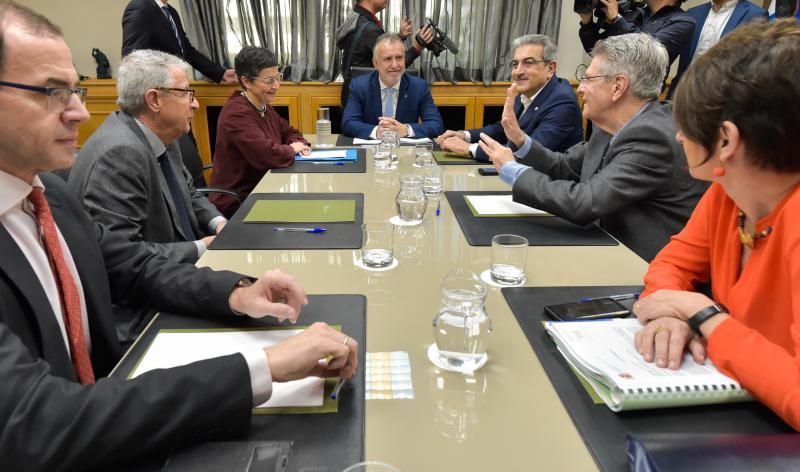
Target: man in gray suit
[(130, 172), (631, 175)]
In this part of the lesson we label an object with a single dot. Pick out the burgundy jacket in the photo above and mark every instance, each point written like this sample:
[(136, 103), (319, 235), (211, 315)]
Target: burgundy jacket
[(247, 146)]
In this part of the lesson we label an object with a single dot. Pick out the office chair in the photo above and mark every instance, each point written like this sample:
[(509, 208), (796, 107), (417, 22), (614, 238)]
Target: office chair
[(192, 161)]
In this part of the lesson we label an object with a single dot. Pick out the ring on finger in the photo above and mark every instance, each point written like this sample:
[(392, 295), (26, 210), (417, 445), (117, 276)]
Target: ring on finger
[(345, 340), (660, 329)]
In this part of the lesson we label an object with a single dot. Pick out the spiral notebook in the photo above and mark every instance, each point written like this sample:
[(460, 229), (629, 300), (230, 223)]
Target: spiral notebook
[(603, 353)]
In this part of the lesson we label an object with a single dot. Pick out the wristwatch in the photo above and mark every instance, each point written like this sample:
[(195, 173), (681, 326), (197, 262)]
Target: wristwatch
[(703, 315), (243, 283), (611, 21)]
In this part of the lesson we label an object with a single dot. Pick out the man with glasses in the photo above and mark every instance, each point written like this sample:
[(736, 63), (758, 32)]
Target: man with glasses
[(631, 175), (545, 105), (252, 137), (60, 271), (130, 172)]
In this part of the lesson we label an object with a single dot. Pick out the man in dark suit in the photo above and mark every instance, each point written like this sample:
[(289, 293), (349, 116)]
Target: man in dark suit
[(130, 172), (631, 175), (546, 107), (154, 24), (714, 20), (59, 273), (389, 99)]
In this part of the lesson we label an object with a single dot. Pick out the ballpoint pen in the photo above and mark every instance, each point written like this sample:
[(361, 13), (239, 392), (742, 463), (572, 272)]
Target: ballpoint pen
[(622, 296), (337, 388), (301, 230), (438, 207)]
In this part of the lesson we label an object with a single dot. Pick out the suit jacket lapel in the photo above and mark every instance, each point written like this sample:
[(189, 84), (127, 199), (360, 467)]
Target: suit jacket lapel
[(176, 160), (533, 109), (736, 17), (403, 110), (19, 272), (701, 20)]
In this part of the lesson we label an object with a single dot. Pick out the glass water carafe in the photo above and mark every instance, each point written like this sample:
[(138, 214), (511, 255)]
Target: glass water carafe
[(411, 200), (462, 326)]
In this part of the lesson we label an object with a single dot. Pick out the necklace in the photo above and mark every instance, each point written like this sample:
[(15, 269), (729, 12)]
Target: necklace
[(746, 238), (261, 110)]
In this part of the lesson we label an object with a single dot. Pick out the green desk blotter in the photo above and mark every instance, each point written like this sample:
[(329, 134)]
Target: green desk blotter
[(302, 211), (444, 156)]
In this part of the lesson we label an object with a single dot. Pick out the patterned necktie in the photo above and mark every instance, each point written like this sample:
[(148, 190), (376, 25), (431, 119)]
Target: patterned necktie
[(166, 11), (177, 198), (388, 102), (67, 289)]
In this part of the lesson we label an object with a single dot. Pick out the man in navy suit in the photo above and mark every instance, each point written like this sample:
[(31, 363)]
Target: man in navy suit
[(389, 99), (154, 24), (546, 107), (714, 20)]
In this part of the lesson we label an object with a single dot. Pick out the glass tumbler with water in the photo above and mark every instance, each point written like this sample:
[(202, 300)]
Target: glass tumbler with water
[(390, 139), (424, 155), (462, 326), (411, 200), (324, 137), (509, 254), (378, 246), (383, 156)]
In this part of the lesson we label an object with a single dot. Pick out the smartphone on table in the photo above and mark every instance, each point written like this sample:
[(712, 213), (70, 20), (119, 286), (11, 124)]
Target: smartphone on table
[(595, 309)]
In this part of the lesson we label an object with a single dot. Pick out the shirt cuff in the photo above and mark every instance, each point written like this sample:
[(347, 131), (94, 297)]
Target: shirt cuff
[(523, 150), (510, 172), (374, 133), (201, 247), (467, 135), (212, 225), (473, 150), (410, 131), (260, 376)]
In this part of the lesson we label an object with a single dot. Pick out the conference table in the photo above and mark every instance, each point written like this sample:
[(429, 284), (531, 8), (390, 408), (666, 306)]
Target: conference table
[(505, 416)]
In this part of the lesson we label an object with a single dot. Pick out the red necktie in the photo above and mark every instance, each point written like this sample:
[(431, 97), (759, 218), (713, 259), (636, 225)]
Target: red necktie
[(68, 291)]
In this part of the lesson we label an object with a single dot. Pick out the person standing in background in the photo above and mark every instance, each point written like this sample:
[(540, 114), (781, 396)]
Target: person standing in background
[(154, 24)]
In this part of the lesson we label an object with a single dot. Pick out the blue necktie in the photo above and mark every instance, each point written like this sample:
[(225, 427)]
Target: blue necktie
[(388, 102), (177, 199), (165, 8)]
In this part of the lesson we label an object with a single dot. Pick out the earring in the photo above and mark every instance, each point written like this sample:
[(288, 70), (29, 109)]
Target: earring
[(718, 171)]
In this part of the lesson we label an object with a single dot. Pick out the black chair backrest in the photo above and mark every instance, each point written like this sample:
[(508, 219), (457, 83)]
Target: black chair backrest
[(191, 159)]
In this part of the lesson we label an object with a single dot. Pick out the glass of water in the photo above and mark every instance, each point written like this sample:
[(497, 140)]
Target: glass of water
[(424, 155), (383, 156), (392, 141), (378, 247), (509, 253), (411, 200), (431, 179)]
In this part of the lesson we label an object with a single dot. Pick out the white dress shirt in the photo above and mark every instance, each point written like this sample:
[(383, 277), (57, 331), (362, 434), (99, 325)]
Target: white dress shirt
[(712, 28)]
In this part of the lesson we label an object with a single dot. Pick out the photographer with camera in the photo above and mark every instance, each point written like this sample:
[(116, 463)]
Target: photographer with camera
[(356, 37), (662, 19)]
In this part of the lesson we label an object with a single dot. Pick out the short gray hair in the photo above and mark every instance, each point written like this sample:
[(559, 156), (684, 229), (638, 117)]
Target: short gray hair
[(550, 49), (386, 38), (141, 70), (640, 57)]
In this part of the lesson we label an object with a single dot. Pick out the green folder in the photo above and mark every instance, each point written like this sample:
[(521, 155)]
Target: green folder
[(444, 156), (302, 211)]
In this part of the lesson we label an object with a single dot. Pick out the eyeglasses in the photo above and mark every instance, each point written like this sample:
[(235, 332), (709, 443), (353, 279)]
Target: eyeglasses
[(270, 81), (527, 62), (182, 91), (58, 96), (580, 74)]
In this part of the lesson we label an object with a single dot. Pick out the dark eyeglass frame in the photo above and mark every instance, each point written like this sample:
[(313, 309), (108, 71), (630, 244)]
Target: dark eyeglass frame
[(270, 81), (63, 94), (527, 62), (191, 92)]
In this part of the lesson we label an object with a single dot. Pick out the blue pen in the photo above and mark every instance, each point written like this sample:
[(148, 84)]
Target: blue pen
[(329, 163), (622, 296), (301, 230), (438, 207), (337, 389)]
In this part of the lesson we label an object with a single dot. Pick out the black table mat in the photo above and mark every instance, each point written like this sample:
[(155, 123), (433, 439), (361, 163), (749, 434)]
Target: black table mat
[(240, 235), (323, 442), (602, 430), (539, 230), (359, 166)]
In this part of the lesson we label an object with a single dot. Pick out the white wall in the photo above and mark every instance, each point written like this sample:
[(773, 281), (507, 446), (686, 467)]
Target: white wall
[(97, 23)]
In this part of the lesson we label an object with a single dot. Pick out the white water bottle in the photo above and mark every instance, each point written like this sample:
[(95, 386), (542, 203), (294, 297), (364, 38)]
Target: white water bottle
[(324, 127)]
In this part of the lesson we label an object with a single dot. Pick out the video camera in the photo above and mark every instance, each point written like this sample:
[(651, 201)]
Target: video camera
[(440, 41), (587, 6)]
